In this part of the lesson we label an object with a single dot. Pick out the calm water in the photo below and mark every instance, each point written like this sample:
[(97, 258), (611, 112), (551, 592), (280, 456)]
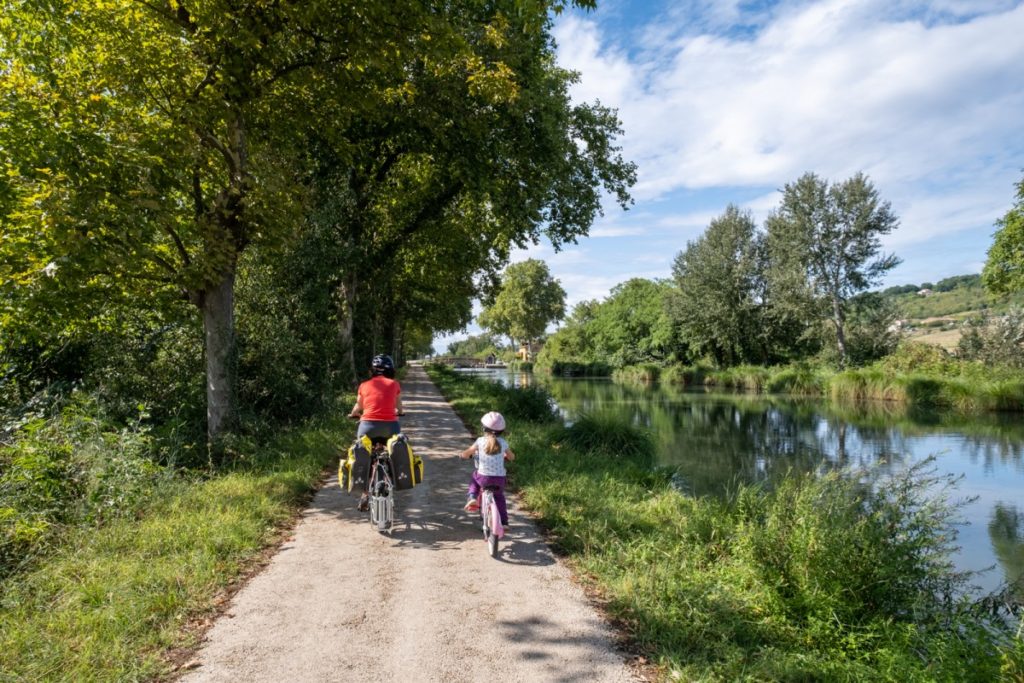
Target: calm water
[(716, 439)]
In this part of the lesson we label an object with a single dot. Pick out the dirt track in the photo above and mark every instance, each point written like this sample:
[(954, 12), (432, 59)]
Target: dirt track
[(342, 602)]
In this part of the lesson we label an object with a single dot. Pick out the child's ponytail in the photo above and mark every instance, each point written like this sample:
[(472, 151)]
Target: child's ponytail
[(491, 446)]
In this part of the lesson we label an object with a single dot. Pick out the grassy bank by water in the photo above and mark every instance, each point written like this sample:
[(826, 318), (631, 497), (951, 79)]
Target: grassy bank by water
[(916, 375), (108, 601), (815, 580)]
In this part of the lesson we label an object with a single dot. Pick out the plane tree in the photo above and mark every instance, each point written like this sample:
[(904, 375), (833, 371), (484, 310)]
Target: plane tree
[(147, 145)]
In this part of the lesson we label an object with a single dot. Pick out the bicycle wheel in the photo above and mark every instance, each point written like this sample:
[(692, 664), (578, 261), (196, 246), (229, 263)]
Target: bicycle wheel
[(383, 504), (384, 514), (485, 517), (493, 523)]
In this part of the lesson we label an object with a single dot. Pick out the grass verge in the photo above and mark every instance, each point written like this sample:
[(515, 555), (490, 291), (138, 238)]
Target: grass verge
[(916, 376), (821, 579), (110, 603)]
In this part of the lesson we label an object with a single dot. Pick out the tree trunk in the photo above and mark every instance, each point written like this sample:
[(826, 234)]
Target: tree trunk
[(218, 306), (397, 342), (837, 319), (346, 318)]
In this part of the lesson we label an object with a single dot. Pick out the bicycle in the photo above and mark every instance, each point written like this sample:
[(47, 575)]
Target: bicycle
[(491, 519), (381, 488)]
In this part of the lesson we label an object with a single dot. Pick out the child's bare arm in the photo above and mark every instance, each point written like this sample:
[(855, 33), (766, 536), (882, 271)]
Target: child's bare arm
[(509, 455), (468, 453)]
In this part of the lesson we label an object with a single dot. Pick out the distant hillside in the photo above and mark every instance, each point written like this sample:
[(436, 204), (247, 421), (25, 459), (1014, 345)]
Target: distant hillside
[(932, 312), (955, 296)]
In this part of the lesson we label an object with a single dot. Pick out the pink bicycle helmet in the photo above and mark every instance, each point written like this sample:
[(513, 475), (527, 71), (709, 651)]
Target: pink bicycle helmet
[(493, 421)]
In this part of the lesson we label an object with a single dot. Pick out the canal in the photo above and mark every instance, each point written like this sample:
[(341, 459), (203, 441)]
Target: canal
[(713, 440)]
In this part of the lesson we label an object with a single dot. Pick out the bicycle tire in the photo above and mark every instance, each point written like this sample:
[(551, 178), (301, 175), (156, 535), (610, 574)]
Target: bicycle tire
[(383, 516), (492, 544), (492, 523), (485, 506)]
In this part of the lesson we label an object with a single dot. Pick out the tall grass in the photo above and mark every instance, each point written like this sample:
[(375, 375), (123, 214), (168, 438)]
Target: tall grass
[(570, 369), (68, 470), (686, 375), (799, 380), (643, 373), (916, 375), (610, 435), (839, 577), (111, 597)]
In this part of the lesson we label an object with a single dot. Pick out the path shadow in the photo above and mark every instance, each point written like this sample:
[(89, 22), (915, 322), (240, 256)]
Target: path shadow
[(538, 638)]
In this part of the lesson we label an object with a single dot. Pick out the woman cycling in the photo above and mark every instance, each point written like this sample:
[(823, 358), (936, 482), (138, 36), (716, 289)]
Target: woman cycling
[(378, 405)]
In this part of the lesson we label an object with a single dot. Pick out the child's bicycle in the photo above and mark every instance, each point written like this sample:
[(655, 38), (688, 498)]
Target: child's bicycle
[(491, 520), (381, 488)]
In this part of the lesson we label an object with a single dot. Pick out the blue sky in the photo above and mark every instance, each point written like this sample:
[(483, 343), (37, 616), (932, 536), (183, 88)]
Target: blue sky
[(725, 101)]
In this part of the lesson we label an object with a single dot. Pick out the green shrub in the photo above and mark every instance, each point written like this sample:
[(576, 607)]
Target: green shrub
[(532, 404), (66, 470), (609, 435), (1006, 395), (919, 358), (745, 377), (994, 340)]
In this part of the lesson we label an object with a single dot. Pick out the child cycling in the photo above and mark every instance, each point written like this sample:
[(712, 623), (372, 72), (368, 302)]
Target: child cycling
[(378, 406), (489, 453)]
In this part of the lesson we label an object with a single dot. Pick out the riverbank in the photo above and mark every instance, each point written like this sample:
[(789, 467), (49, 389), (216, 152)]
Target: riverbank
[(792, 584), (916, 375), (116, 599)]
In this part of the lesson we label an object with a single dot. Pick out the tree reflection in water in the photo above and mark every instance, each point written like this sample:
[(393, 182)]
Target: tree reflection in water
[(1006, 529)]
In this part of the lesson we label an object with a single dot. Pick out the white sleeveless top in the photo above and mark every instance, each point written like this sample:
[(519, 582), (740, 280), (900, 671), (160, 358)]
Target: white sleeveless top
[(490, 464)]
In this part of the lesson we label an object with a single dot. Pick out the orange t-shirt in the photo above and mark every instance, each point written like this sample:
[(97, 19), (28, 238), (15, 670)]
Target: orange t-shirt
[(378, 395)]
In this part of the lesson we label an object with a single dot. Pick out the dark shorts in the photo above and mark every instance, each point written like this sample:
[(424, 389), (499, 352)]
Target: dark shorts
[(377, 429)]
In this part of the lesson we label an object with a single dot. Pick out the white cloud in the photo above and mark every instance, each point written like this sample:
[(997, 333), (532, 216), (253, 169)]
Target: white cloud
[(607, 229), (721, 103), (926, 218), (832, 87)]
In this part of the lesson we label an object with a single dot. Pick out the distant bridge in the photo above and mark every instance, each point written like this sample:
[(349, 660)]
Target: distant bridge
[(466, 362)]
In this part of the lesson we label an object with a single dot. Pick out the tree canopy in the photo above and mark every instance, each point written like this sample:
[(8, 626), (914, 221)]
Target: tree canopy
[(717, 285), (1004, 267), (528, 300), (361, 171), (832, 231)]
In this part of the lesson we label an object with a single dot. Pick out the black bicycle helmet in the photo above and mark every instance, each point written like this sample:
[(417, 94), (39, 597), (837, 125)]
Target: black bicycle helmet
[(383, 365)]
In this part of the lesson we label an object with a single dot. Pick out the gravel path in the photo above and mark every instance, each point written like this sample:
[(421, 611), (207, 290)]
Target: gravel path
[(342, 602)]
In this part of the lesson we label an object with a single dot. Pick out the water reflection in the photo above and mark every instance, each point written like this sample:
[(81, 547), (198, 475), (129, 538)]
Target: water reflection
[(1006, 529), (714, 440)]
